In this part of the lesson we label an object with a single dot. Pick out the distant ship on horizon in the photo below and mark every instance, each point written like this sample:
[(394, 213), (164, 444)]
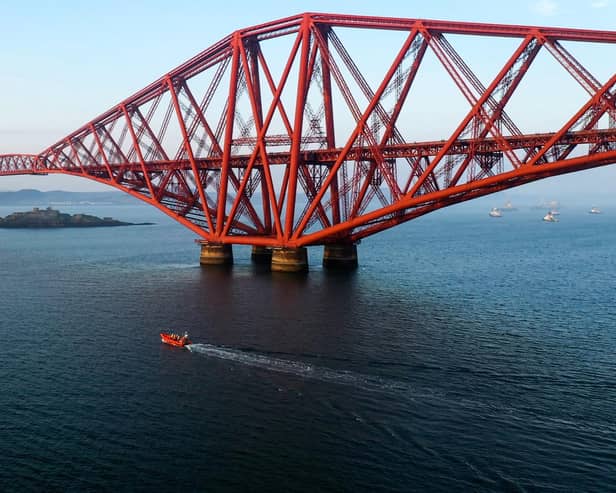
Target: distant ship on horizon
[(547, 204), (509, 207), (550, 218)]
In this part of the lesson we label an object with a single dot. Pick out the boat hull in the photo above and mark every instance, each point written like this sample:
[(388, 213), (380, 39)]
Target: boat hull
[(173, 341)]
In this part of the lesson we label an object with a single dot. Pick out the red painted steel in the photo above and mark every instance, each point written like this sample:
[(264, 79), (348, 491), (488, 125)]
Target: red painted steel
[(275, 136)]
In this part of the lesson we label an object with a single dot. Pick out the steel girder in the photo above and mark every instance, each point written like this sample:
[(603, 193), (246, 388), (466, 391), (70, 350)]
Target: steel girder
[(275, 136)]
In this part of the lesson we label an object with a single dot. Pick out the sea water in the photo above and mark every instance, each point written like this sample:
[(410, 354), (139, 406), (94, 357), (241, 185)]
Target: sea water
[(466, 353)]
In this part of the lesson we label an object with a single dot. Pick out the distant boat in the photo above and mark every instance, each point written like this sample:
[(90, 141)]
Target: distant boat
[(174, 339), (552, 204), (509, 207), (495, 212), (549, 217), (594, 210)]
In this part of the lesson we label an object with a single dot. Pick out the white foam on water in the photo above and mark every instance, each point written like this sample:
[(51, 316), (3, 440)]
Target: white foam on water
[(341, 377), (297, 368)]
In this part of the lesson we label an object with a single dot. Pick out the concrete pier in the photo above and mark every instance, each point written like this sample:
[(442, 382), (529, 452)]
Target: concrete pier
[(289, 260), (261, 255), (216, 254), (340, 256)]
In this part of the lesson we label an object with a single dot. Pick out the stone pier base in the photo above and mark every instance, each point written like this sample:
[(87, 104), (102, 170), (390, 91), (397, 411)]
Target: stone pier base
[(261, 255), (216, 254), (289, 260), (340, 256)]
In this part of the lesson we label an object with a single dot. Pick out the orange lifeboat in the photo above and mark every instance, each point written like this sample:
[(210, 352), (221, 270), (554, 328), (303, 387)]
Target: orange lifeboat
[(174, 339)]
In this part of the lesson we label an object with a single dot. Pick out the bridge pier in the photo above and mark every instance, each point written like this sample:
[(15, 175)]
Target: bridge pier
[(340, 256), (215, 254), (289, 260), (261, 255)]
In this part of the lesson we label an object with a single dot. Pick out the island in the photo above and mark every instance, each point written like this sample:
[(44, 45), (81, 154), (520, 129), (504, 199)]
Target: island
[(51, 218)]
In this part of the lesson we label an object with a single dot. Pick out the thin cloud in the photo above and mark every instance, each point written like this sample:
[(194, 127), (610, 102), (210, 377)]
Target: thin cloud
[(599, 4), (548, 7)]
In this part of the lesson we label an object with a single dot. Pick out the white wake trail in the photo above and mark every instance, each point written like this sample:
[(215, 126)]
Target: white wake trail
[(297, 368)]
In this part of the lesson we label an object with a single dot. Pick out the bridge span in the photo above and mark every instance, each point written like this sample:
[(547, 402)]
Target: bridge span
[(298, 132)]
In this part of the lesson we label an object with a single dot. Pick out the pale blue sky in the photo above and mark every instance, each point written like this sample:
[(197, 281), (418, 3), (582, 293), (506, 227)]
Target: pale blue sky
[(64, 62)]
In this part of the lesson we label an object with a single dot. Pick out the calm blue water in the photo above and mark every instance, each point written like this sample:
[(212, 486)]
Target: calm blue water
[(467, 353)]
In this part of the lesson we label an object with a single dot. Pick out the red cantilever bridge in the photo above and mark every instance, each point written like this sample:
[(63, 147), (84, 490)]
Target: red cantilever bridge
[(311, 130)]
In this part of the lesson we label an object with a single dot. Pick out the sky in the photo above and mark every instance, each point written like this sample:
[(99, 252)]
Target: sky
[(66, 61)]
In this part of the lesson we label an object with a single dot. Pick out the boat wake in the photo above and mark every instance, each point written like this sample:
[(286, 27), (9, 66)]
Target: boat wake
[(366, 382), (297, 368)]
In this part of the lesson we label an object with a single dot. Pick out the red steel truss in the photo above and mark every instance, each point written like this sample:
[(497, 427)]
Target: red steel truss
[(275, 136)]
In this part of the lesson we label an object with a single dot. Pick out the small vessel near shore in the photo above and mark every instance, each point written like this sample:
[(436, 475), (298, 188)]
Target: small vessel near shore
[(495, 212), (174, 339), (594, 210)]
